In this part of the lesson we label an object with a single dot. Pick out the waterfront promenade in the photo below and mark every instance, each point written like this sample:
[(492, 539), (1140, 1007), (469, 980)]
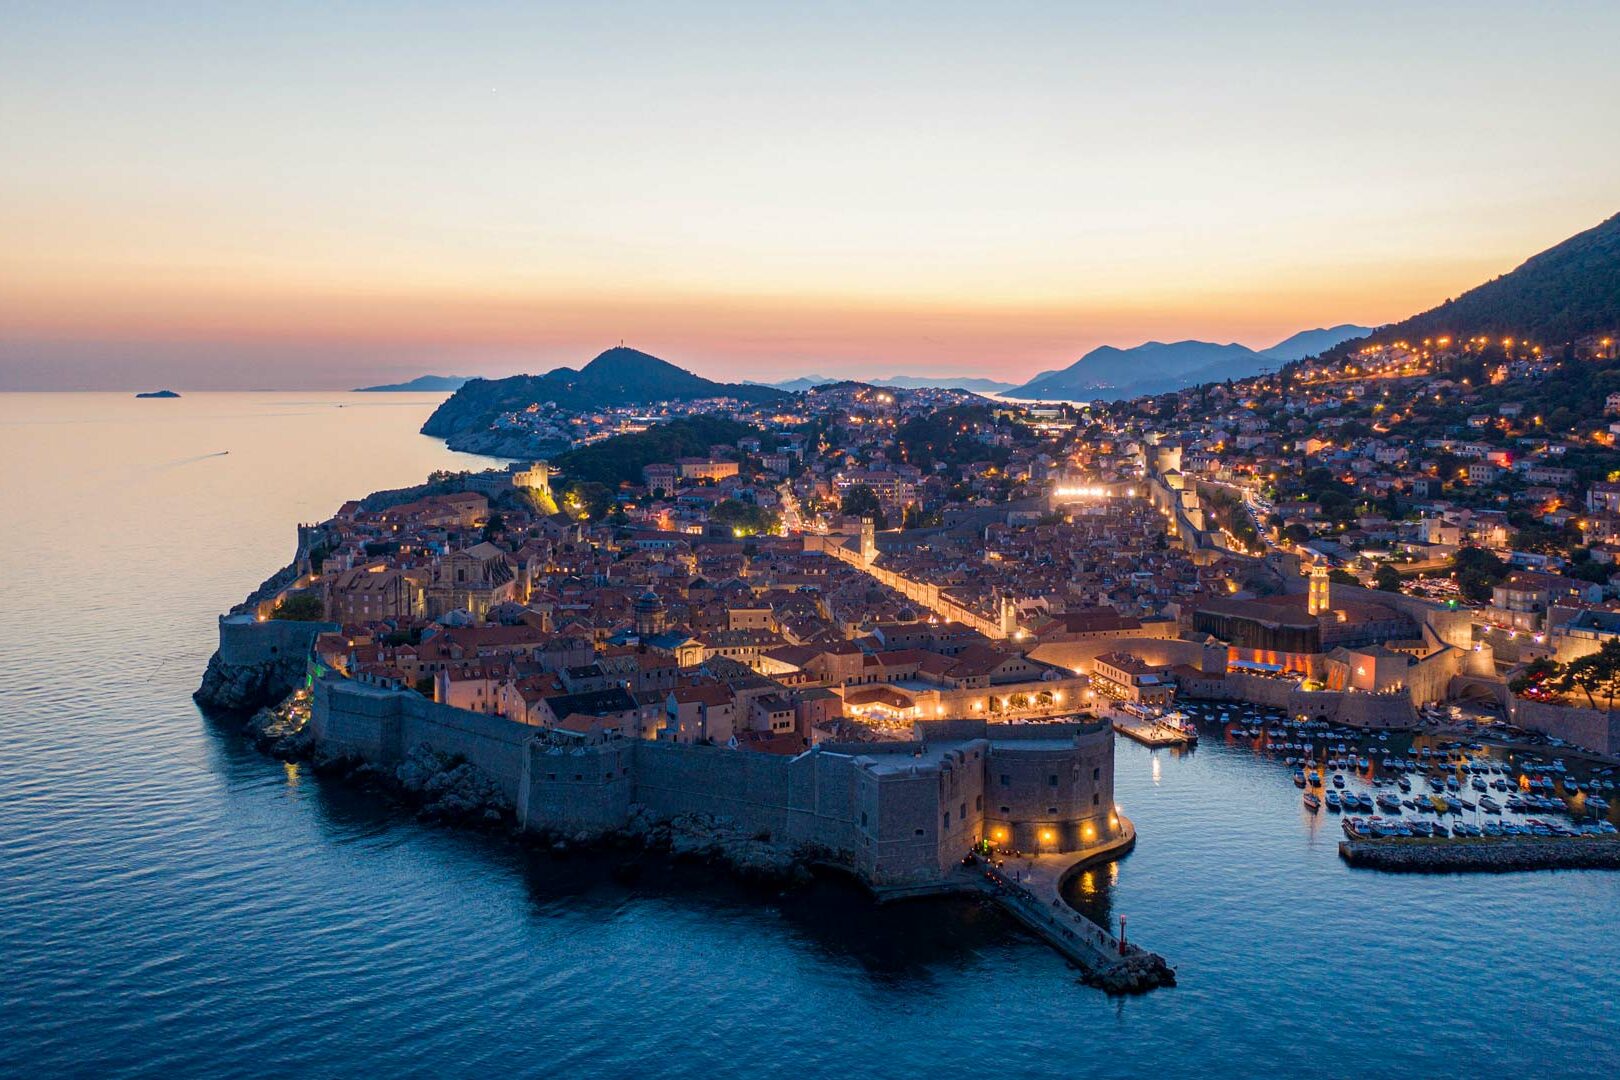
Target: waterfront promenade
[(1147, 732), (1030, 888)]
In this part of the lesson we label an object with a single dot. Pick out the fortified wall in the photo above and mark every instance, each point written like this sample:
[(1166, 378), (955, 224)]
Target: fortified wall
[(257, 662), (245, 640), (900, 813), (1593, 729), (1352, 708), (1078, 655)]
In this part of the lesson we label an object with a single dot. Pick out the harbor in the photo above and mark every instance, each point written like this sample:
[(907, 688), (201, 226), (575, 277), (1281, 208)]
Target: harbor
[(1464, 802)]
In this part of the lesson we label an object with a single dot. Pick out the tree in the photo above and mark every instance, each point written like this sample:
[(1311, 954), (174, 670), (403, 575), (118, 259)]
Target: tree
[(914, 517), (745, 519), (1476, 571), (861, 501), (300, 607), (1595, 675), (589, 499), (1343, 577), (1386, 578), (1536, 677)]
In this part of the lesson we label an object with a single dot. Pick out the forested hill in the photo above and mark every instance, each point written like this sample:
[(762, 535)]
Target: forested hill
[(1565, 293), (619, 460), (618, 376)]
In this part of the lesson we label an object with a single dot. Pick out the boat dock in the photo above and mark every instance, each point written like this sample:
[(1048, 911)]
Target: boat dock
[(1149, 732)]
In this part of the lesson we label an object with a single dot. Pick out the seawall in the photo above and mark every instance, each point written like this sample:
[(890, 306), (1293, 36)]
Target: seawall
[(1489, 855), (896, 814), (1596, 730), (596, 788)]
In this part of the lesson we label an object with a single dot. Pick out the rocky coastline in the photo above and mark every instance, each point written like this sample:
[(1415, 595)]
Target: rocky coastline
[(240, 687), (500, 444), (1483, 856)]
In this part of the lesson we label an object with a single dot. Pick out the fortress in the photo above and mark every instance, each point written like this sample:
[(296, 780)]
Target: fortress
[(899, 814)]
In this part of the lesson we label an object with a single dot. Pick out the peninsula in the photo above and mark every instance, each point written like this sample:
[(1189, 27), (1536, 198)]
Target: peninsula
[(419, 384), (894, 630)]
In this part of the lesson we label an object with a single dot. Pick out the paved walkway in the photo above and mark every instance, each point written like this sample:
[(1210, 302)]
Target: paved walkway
[(1147, 732), (1031, 889)]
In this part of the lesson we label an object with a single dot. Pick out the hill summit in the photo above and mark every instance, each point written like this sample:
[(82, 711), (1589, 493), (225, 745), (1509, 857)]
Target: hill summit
[(617, 376)]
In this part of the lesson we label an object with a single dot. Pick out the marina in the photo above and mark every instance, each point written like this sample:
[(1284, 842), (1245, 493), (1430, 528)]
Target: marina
[(1431, 790)]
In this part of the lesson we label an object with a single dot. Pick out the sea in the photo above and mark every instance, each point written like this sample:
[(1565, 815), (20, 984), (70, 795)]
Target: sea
[(174, 904)]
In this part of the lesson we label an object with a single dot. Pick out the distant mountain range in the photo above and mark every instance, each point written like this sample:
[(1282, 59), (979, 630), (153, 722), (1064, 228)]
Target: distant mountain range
[(903, 382), (1566, 292), (421, 382), (618, 376), (1313, 342), (794, 386), (1157, 367)]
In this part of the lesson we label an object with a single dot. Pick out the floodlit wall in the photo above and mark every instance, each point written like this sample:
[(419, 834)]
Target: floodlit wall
[(894, 822)]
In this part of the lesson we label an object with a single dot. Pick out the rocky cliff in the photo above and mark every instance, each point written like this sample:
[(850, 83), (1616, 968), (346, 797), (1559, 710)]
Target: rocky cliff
[(242, 686)]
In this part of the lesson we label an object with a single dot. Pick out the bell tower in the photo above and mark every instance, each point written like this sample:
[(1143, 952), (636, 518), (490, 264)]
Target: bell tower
[(1317, 602), (1008, 612)]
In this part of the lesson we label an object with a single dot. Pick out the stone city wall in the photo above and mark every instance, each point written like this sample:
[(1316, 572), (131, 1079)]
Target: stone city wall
[(383, 726), (1078, 655), (1352, 708), (888, 820), (244, 640), (1593, 729)]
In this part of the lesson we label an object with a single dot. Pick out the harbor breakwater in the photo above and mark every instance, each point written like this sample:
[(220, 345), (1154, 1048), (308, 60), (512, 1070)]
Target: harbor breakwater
[(1490, 855)]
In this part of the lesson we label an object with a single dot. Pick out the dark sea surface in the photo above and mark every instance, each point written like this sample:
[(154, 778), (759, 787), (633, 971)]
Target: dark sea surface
[(174, 904)]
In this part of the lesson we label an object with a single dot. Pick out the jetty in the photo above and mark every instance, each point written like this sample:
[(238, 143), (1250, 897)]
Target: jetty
[(1149, 732), (1498, 855), (1030, 889)]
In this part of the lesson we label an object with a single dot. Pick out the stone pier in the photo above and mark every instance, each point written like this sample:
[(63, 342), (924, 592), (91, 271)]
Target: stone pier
[(1030, 889)]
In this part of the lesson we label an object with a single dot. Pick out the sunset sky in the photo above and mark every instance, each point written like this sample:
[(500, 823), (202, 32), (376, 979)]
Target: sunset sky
[(321, 195)]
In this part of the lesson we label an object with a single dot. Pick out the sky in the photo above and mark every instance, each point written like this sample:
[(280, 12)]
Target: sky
[(287, 195)]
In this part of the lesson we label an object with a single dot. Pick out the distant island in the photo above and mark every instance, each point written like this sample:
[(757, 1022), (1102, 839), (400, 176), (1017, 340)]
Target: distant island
[(158, 394), (421, 382)]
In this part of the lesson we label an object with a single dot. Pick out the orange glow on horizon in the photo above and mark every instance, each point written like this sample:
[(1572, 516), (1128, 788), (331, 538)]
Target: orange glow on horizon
[(711, 328)]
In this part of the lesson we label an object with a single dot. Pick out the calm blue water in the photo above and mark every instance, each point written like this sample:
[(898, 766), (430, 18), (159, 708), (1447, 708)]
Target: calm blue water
[(174, 904)]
